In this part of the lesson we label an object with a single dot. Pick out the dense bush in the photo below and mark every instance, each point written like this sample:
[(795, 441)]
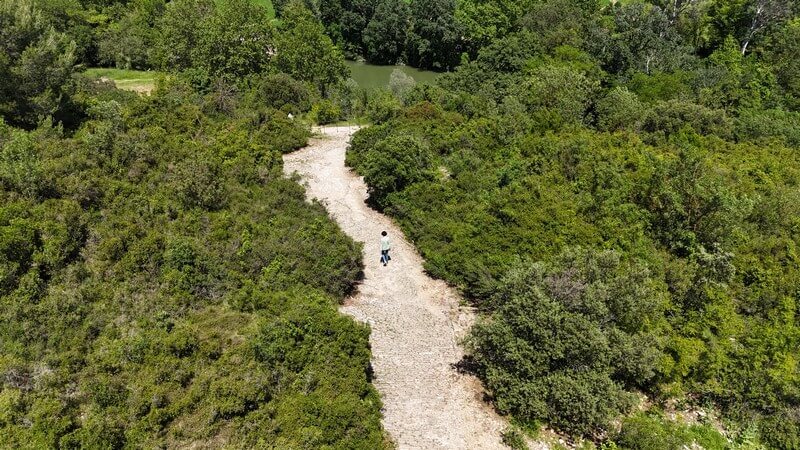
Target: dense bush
[(280, 91), (20, 167), (233, 38), (36, 63), (619, 110), (781, 430), (382, 105), (562, 92), (689, 170), (768, 125), (565, 339), (325, 112), (163, 285), (305, 52), (394, 164), (668, 118)]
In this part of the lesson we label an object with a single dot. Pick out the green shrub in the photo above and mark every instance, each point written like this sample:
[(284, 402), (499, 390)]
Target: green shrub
[(21, 170), (281, 91), (17, 246), (561, 91), (651, 432), (196, 183), (567, 338), (99, 431), (759, 125), (280, 134), (307, 345), (668, 118), (781, 430), (326, 112), (62, 232), (106, 391), (362, 143), (394, 164), (514, 439), (661, 86), (382, 106), (136, 289), (620, 109)]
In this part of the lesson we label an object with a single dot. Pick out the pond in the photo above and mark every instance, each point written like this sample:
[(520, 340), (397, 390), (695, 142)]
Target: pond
[(370, 76)]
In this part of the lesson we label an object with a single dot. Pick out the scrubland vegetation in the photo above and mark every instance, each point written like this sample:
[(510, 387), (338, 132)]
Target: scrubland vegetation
[(617, 190), (161, 283), (613, 184)]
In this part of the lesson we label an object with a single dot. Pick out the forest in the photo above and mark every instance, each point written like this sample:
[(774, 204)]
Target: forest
[(614, 185)]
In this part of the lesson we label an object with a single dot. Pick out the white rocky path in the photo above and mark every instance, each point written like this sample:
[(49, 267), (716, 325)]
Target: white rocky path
[(417, 322)]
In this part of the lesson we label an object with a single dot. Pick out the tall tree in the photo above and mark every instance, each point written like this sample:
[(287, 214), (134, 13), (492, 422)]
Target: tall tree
[(645, 39), (232, 38), (345, 21), (484, 21), (555, 23), (764, 14), (783, 54), (745, 19), (305, 52), (355, 18), (128, 42), (35, 62), (179, 33), (739, 82), (385, 36), (435, 41), (237, 40)]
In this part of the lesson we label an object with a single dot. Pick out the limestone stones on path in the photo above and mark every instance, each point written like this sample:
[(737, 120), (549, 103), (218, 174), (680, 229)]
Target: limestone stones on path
[(416, 321)]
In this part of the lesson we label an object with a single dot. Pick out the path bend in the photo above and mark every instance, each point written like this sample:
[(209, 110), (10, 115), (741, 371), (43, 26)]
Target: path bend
[(417, 322)]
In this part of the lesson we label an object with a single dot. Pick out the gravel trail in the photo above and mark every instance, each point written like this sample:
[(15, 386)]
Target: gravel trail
[(416, 321)]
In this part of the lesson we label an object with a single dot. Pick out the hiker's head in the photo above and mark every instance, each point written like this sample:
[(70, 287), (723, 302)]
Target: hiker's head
[(383, 233)]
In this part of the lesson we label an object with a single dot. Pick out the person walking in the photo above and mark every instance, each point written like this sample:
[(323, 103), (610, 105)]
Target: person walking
[(386, 245)]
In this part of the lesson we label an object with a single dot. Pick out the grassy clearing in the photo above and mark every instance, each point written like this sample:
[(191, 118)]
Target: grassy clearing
[(266, 4), (130, 80)]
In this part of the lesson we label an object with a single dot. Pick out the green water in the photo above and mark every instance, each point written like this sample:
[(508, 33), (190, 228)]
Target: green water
[(370, 76)]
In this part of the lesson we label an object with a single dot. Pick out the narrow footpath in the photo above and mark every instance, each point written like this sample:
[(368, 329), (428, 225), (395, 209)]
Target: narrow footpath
[(417, 322)]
